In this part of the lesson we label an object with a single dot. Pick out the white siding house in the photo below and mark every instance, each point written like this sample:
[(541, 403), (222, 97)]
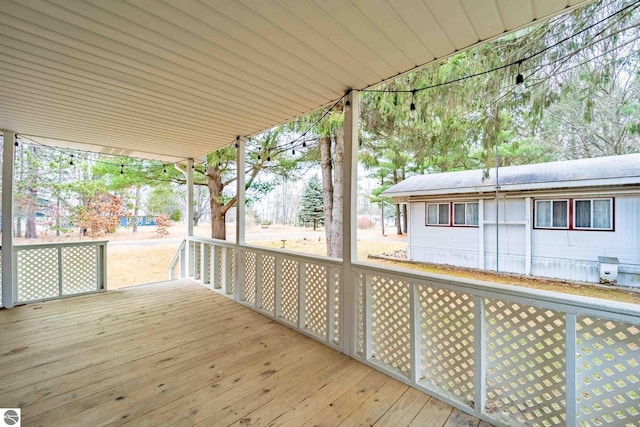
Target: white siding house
[(554, 219)]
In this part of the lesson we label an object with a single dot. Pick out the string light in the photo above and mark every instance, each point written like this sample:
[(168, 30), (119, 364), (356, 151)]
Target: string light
[(412, 108), (347, 105), (237, 141), (520, 87), (71, 160), (633, 5), (121, 169), (164, 169)]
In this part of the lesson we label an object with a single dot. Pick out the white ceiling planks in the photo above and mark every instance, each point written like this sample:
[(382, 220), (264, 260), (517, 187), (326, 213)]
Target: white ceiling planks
[(176, 79)]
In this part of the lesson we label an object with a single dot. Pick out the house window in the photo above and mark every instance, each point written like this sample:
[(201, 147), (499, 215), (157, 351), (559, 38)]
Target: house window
[(437, 213), (465, 214), (552, 214), (593, 214)]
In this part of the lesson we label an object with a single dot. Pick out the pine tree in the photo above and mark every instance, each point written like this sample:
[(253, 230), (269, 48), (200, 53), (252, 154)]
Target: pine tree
[(311, 210)]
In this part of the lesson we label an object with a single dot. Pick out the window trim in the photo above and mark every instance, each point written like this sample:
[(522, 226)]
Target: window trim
[(591, 228), (426, 214), (453, 215), (551, 227)]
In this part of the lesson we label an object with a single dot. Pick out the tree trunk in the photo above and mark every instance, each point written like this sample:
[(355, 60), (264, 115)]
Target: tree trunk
[(32, 199), (338, 198), (218, 213), (136, 209), (405, 219), (398, 221), (30, 231), (327, 188)]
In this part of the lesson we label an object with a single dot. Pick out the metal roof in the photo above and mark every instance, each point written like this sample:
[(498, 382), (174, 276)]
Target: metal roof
[(596, 172), (174, 79)]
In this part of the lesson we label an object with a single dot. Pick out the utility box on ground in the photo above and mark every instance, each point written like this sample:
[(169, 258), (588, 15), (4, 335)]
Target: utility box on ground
[(608, 269)]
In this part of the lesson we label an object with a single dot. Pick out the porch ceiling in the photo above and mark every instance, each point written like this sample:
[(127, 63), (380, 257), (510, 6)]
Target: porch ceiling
[(175, 79)]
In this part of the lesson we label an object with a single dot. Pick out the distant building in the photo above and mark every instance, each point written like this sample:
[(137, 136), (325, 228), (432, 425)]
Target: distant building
[(142, 220), (554, 219)]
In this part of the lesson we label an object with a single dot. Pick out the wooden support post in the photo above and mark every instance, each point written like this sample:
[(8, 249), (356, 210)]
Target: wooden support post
[(8, 273), (348, 306)]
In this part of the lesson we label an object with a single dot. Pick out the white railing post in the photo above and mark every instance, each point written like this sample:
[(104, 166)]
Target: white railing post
[(277, 287), (59, 271), (367, 335), (414, 319), (570, 366), (9, 296), (259, 283), (331, 308), (302, 294), (102, 267), (226, 272), (480, 357), (205, 273), (218, 267)]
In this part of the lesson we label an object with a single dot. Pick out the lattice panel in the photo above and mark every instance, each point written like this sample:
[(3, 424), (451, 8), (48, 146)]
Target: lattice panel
[(316, 298), (79, 269), (390, 327), (231, 260), (607, 373), (37, 274), (290, 283), (250, 277), (337, 283), (197, 255), (268, 283), (446, 339), (360, 314), (525, 363), (217, 268), (207, 262)]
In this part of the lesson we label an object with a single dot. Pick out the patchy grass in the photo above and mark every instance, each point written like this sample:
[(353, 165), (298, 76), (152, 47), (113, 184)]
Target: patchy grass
[(315, 247), (136, 264), (586, 290)]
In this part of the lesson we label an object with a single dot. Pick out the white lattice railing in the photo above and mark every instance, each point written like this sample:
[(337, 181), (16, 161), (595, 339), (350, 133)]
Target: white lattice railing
[(511, 356), (299, 290), (507, 355), (54, 270)]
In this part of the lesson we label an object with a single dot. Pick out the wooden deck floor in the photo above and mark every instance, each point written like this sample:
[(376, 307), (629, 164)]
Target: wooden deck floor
[(176, 353)]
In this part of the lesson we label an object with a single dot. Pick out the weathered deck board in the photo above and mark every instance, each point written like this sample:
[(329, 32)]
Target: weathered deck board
[(176, 353)]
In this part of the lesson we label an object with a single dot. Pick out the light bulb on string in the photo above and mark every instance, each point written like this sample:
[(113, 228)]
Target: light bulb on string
[(347, 105), (121, 169), (293, 152), (520, 87), (268, 158), (71, 160), (412, 108), (164, 168), (304, 144), (237, 141)]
